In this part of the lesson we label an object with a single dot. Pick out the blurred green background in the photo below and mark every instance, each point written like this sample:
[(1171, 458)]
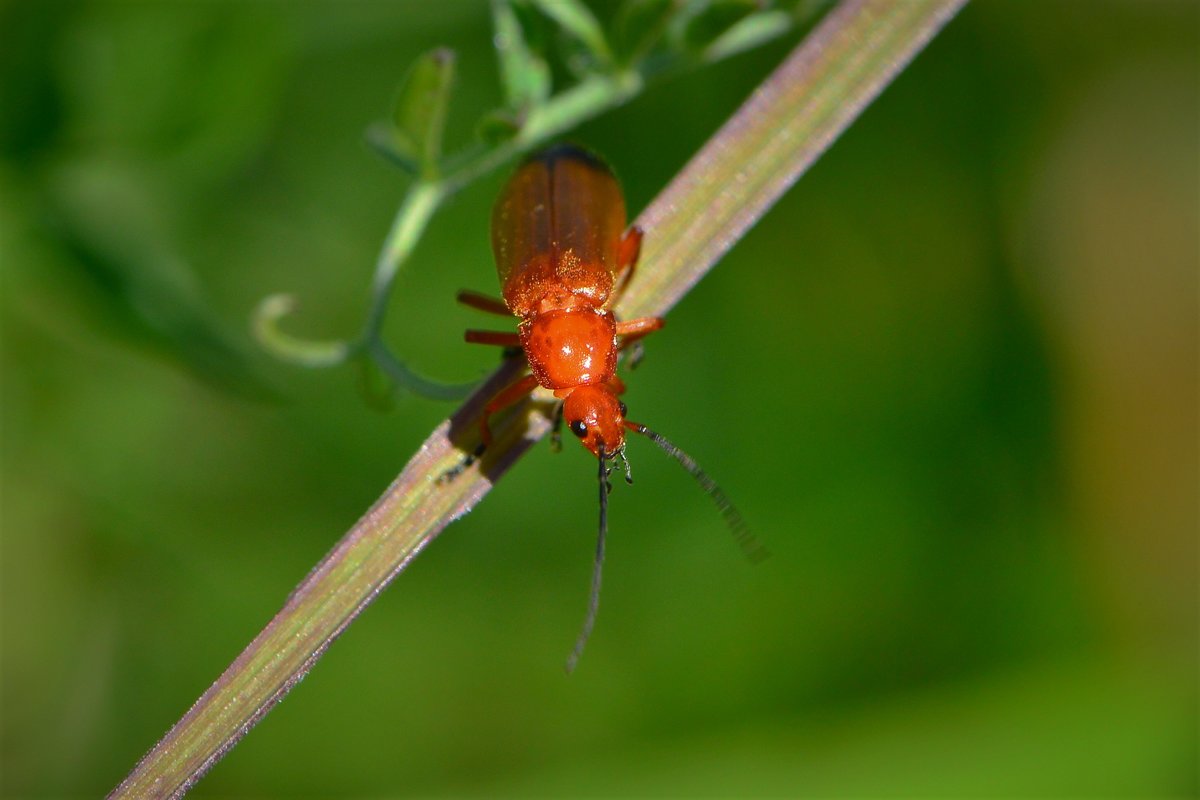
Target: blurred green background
[(951, 380)]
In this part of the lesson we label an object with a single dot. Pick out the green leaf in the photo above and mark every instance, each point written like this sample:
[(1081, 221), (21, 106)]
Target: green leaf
[(419, 115), (382, 138), (523, 68), (499, 126), (639, 26), (712, 19), (575, 19), (748, 33)]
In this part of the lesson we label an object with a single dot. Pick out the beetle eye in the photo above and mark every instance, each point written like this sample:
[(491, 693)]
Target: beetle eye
[(624, 409), (578, 428)]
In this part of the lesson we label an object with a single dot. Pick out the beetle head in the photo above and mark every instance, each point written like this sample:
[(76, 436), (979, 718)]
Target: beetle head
[(595, 415)]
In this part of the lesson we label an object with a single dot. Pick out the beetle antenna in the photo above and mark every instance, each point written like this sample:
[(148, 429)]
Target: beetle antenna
[(594, 595), (751, 546)]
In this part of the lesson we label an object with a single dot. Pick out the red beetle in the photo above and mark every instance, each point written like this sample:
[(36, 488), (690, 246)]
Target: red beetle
[(564, 256)]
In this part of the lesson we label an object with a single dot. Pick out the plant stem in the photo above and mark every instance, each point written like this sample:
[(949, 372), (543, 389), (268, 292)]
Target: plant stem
[(785, 125), (419, 205), (825, 84)]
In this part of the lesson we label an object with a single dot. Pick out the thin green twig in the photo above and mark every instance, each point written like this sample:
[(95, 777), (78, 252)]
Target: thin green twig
[(787, 123)]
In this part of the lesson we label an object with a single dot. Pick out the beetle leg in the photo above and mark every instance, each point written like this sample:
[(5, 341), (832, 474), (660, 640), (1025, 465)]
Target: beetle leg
[(506, 397), (637, 352), (635, 329), (499, 338), (628, 250), (481, 302)]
